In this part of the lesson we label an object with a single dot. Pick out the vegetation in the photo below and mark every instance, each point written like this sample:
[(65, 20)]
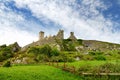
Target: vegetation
[(39, 72), (47, 53), (7, 64), (7, 52), (68, 45), (75, 53)]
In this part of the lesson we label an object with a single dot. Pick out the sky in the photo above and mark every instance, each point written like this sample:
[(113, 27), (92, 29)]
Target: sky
[(21, 20)]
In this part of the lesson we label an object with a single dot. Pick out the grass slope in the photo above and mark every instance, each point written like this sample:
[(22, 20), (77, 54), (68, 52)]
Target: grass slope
[(41, 72), (93, 63)]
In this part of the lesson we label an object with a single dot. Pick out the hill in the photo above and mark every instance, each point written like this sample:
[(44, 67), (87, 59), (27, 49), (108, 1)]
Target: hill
[(56, 48), (72, 43)]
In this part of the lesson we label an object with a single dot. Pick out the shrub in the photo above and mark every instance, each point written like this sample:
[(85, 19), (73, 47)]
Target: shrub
[(7, 64), (95, 53), (84, 68), (55, 52), (34, 50), (107, 68), (100, 57), (70, 59), (46, 49), (87, 57)]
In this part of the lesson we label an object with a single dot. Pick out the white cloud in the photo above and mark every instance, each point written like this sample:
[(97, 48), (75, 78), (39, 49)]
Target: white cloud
[(9, 33), (87, 21), (84, 19)]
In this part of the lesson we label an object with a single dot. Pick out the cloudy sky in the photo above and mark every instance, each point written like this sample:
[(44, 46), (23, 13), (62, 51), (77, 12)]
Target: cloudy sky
[(21, 20)]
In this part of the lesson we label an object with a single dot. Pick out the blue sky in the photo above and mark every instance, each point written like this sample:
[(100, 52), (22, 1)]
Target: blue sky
[(21, 20)]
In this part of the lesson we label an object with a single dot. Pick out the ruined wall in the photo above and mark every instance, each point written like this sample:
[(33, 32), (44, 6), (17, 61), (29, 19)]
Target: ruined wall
[(60, 35), (72, 36), (41, 35), (50, 39)]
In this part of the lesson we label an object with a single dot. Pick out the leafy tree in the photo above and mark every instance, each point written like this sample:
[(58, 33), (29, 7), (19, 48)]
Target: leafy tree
[(46, 49), (55, 52)]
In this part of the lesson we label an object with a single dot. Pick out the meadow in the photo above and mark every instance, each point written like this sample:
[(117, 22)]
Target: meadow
[(35, 72), (50, 72), (92, 63)]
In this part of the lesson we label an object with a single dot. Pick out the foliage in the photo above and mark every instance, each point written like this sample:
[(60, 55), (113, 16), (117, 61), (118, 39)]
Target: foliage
[(44, 53), (7, 64), (84, 68), (55, 52), (95, 53), (3, 46), (100, 57), (46, 50), (34, 50), (80, 41), (5, 53), (68, 45), (107, 68)]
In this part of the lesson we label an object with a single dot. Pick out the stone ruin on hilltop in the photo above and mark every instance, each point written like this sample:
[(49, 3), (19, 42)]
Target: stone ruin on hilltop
[(51, 39)]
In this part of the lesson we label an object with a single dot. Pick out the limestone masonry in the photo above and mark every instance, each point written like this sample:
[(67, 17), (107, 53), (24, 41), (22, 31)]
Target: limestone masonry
[(50, 39), (58, 39)]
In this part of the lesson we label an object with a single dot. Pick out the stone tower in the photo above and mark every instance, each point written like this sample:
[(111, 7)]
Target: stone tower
[(41, 35), (72, 36), (60, 34)]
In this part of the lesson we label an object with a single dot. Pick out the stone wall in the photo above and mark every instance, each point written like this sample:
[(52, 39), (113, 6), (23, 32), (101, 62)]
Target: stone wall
[(49, 39)]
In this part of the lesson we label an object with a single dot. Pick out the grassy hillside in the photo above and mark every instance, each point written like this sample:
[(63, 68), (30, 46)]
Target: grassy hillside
[(41, 72)]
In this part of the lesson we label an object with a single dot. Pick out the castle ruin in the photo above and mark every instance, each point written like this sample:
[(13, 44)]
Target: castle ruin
[(59, 36), (51, 39), (41, 35), (82, 45)]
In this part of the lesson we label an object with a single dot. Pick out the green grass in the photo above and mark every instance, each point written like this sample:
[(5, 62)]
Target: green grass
[(40, 72), (93, 63)]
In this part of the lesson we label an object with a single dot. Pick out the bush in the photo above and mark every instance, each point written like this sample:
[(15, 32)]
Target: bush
[(107, 68), (70, 59), (87, 57), (46, 49), (100, 57), (7, 64), (34, 50), (55, 52), (95, 53), (84, 68)]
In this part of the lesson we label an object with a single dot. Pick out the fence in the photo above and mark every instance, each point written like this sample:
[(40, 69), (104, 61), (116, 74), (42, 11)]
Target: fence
[(73, 70)]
